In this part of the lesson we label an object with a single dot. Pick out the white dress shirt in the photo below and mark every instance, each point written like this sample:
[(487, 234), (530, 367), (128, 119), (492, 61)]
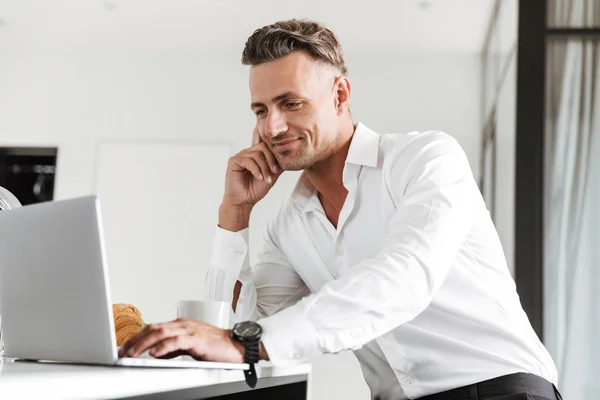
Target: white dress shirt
[(413, 280)]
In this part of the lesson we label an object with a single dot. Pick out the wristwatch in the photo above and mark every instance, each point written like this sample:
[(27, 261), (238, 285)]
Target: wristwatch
[(248, 334)]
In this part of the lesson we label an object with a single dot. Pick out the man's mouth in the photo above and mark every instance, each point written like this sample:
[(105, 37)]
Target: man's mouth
[(285, 145)]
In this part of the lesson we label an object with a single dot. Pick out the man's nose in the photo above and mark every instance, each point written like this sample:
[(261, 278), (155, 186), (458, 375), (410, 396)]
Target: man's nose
[(275, 124)]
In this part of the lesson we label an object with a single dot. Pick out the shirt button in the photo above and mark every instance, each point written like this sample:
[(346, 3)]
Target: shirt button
[(340, 252), (407, 380), (239, 251), (297, 355)]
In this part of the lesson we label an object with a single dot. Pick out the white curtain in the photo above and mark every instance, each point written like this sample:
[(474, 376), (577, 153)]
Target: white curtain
[(572, 215), (573, 13)]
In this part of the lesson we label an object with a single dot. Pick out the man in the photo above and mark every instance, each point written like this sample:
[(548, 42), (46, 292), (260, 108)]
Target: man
[(385, 247)]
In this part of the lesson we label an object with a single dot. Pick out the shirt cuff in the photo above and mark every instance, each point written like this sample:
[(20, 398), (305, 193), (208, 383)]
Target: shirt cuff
[(230, 250), (289, 337)]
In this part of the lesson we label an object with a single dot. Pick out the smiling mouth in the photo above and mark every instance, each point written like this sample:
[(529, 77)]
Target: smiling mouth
[(285, 145)]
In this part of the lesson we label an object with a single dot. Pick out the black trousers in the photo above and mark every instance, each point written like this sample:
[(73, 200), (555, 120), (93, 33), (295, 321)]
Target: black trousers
[(519, 386)]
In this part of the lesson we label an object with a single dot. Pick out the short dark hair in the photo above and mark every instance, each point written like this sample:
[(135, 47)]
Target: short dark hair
[(275, 41)]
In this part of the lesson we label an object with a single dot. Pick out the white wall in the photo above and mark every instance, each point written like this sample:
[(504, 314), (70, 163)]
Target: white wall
[(505, 163), (75, 102), (501, 97)]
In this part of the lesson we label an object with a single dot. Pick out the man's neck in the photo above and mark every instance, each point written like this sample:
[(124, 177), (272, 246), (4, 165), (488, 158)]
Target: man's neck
[(327, 176)]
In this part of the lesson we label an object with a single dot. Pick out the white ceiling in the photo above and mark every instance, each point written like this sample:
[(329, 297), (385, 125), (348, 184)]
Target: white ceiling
[(193, 26)]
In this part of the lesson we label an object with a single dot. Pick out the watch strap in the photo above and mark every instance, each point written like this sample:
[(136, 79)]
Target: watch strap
[(251, 357), (250, 375), (252, 352)]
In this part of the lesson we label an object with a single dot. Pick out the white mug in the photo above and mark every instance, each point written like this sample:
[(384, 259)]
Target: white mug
[(215, 313)]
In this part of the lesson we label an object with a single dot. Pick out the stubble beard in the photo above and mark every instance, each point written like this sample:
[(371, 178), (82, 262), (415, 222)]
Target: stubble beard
[(291, 162), (303, 158)]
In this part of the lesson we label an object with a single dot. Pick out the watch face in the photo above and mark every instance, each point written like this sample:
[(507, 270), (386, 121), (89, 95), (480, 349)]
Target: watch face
[(247, 329)]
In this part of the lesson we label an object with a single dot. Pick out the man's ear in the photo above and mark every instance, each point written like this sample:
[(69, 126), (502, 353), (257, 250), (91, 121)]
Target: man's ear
[(343, 91)]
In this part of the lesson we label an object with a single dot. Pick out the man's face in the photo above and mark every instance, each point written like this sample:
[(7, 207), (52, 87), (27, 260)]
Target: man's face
[(296, 111)]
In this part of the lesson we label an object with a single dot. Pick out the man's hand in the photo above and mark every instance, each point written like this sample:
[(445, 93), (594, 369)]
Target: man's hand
[(250, 175), (185, 337)]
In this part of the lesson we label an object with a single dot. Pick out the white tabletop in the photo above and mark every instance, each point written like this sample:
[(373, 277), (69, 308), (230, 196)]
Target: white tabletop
[(25, 380)]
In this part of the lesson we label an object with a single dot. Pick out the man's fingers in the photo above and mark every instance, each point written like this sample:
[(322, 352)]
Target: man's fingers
[(151, 335), (273, 164), (249, 163), (130, 349), (173, 354), (149, 341), (172, 345), (124, 350), (261, 161), (256, 139)]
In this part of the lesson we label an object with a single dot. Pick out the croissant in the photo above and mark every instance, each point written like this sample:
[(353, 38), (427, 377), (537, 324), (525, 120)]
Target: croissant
[(128, 322)]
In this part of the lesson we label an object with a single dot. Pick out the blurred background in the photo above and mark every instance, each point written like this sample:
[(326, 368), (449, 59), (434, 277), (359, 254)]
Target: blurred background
[(143, 101)]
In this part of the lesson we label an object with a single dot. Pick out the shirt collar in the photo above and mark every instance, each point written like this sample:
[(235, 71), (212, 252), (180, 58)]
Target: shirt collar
[(363, 151), (364, 147)]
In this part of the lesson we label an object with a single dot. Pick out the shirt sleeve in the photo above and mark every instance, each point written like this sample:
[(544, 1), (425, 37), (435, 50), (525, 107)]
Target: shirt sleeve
[(436, 196), (270, 286)]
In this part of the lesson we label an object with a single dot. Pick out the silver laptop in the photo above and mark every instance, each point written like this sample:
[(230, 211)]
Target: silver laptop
[(55, 299)]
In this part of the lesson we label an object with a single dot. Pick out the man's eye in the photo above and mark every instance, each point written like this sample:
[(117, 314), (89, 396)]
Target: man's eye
[(260, 112), (293, 105)]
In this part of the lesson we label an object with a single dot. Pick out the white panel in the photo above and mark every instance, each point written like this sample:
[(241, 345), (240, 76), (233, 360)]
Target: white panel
[(159, 204)]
